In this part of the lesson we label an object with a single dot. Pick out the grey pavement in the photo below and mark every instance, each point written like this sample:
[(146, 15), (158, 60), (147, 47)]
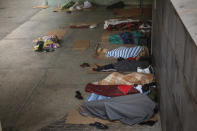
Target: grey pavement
[(37, 89)]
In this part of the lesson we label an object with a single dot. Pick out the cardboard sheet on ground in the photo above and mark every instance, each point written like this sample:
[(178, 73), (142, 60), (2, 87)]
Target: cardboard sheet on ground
[(74, 117), (75, 25), (134, 12), (103, 57), (58, 9), (60, 33), (81, 45), (105, 35), (41, 7), (147, 12)]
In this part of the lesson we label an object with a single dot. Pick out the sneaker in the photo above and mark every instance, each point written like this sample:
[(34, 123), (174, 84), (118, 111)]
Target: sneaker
[(146, 70)]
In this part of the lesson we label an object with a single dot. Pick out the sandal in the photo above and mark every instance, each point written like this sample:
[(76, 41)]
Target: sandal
[(99, 125)]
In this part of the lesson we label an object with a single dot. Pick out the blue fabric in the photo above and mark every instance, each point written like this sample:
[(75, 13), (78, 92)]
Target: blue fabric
[(136, 36), (124, 52), (126, 37), (95, 97), (115, 39), (147, 92)]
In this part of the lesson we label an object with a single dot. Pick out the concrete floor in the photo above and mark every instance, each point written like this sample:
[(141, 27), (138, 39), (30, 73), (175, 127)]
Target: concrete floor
[(38, 88)]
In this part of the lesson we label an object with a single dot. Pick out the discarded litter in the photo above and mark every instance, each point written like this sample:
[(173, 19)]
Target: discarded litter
[(41, 7), (91, 26), (46, 43), (70, 6)]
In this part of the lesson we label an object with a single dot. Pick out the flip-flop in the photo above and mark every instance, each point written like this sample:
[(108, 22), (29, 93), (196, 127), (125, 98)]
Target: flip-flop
[(85, 65), (99, 125), (78, 95)]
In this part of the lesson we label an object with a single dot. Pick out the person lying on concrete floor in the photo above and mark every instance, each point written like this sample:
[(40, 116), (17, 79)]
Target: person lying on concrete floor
[(123, 52), (124, 66), (129, 109), (149, 89), (116, 78), (118, 90)]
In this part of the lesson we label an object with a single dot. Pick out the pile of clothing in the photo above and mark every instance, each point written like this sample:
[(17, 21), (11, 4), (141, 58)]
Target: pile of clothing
[(146, 27), (78, 5), (121, 24), (127, 98), (127, 24), (67, 5), (46, 43)]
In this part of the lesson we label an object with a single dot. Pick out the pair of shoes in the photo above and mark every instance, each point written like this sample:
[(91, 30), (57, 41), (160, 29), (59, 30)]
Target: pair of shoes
[(99, 125), (78, 95), (85, 65)]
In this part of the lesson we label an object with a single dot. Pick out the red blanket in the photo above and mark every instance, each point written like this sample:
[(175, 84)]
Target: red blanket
[(111, 90)]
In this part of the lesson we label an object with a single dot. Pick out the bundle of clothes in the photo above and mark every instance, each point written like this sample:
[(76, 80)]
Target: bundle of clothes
[(127, 24), (46, 43), (129, 98), (78, 5)]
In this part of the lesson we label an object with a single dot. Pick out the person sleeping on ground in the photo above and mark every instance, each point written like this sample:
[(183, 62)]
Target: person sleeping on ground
[(130, 109), (124, 65), (123, 52)]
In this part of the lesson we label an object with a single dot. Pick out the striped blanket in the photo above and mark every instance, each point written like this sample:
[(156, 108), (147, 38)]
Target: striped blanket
[(124, 52)]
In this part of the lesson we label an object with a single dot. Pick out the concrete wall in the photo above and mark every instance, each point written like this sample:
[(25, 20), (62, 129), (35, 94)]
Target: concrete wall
[(102, 2), (175, 57)]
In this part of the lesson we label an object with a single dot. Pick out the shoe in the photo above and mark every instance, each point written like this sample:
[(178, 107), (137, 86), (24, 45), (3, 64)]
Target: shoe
[(99, 125), (146, 70), (78, 95), (85, 65)]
